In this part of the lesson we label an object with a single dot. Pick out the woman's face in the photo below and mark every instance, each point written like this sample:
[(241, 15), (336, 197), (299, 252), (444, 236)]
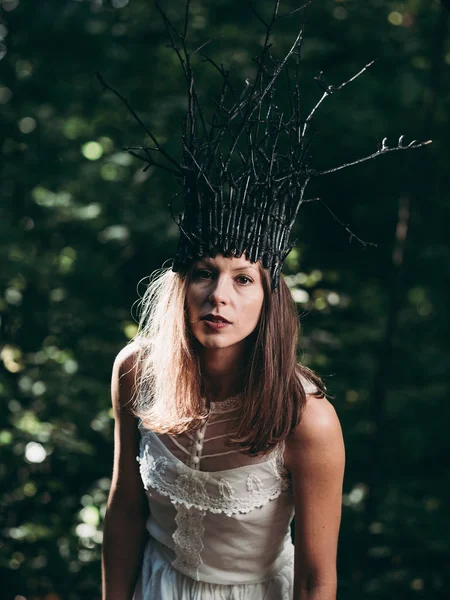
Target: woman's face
[(224, 300)]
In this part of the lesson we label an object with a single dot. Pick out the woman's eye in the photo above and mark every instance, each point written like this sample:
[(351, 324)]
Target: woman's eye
[(243, 279), (202, 274)]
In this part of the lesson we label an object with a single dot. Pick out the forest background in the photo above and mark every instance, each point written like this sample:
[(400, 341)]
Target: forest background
[(81, 224)]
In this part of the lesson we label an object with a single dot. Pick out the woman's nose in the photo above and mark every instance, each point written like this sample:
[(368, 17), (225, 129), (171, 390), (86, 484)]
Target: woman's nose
[(220, 292)]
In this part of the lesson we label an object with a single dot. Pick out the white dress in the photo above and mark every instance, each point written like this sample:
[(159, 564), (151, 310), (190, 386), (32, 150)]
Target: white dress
[(219, 520)]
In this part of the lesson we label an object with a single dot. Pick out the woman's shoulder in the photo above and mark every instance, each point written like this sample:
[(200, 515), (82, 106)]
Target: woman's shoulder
[(319, 430), (127, 360), (126, 370)]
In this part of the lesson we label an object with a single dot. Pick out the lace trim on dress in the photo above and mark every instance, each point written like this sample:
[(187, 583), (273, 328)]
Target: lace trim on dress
[(226, 405), (188, 540), (210, 491)]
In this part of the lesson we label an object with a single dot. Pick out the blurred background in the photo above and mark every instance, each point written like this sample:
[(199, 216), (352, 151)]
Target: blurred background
[(81, 224)]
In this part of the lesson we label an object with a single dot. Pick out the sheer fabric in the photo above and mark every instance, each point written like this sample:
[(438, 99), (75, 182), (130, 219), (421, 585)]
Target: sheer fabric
[(207, 449)]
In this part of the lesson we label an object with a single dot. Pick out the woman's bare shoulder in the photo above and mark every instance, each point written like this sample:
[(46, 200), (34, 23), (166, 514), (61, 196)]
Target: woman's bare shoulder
[(127, 355), (125, 372), (319, 430), (127, 360)]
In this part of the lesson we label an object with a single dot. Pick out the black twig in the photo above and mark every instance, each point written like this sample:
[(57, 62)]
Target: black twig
[(330, 89), (158, 147), (384, 150)]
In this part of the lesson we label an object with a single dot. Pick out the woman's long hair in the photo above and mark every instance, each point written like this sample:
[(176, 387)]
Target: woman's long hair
[(169, 385)]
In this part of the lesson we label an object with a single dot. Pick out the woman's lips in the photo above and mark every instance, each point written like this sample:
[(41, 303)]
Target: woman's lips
[(215, 322)]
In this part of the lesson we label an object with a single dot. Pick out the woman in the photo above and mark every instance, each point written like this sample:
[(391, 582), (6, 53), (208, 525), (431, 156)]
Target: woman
[(249, 441), (234, 436)]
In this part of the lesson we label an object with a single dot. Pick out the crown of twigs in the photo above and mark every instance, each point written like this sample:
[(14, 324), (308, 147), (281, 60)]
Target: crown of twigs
[(245, 171)]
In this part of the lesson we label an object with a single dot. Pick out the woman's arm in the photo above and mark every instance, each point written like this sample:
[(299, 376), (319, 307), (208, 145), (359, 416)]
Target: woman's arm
[(124, 532), (315, 457)]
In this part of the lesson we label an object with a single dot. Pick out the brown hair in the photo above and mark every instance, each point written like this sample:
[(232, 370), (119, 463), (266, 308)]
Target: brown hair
[(169, 391), (274, 391)]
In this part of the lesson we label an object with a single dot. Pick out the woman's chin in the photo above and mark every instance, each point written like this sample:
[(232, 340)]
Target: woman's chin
[(215, 343)]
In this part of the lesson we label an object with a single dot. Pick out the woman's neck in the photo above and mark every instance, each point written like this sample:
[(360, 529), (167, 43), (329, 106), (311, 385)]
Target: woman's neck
[(223, 373)]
